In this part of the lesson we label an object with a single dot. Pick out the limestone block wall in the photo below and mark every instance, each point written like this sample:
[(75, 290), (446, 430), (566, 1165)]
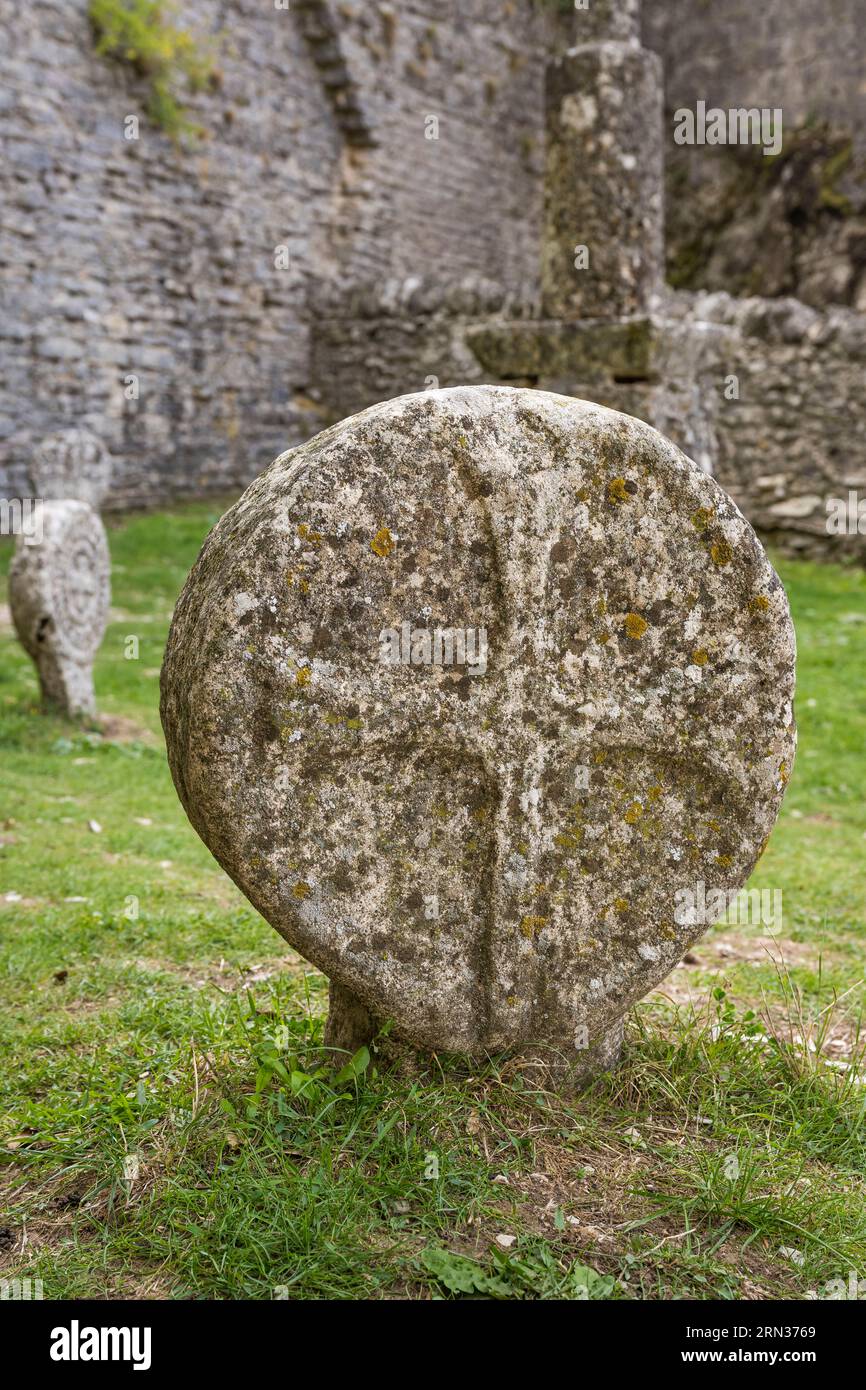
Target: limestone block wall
[(470, 200), (124, 258), (130, 257), (403, 156), (805, 57), (788, 435), (793, 225), (384, 339)]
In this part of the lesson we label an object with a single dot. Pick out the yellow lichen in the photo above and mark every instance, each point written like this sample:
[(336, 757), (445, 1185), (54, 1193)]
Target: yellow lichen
[(759, 604), (634, 813), (531, 926), (303, 675), (307, 535), (568, 839), (702, 518), (620, 905), (721, 553), (382, 543), (301, 890), (700, 657), (617, 490), (783, 773), (635, 626), (292, 579)]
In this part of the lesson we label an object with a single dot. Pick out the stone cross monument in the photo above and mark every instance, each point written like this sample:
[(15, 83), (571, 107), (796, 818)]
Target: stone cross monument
[(464, 694)]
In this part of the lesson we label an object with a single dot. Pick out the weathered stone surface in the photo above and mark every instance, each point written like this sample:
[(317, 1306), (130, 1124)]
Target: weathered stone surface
[(59, 595), (74, 464), (603, 182), (487, 852)]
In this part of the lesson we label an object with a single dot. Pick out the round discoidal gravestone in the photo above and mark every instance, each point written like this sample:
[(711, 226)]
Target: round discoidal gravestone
[(59, 594), (477, 696)]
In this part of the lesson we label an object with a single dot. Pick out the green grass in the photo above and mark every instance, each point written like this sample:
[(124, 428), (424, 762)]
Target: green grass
[(167, 1130)]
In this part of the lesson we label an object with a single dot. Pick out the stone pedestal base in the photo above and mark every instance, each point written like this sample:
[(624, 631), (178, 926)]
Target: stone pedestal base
[(66, 686), (350, 1025)]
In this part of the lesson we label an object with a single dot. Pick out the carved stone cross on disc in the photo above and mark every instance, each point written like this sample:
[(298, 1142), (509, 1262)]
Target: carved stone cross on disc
[(464, 693)]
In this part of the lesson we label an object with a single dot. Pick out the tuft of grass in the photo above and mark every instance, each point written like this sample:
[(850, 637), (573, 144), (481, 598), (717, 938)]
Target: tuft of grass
[(142, 34)]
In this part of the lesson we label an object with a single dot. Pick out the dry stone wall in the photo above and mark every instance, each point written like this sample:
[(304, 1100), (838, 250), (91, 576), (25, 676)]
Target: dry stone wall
[(425, 171), (793, 225), (136, 259)]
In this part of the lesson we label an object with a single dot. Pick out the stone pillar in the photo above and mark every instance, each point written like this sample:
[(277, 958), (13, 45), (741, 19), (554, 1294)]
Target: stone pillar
[(599, 21), (350, 1024), (604, 170)]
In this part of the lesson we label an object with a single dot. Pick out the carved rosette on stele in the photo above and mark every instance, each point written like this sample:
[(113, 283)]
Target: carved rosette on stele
[(59, 594)]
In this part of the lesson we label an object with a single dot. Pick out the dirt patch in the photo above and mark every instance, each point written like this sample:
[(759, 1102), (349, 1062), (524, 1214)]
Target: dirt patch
[(591, 1201), (51, 1225), (117, 728), (715, 955), (60, 1219), (833, 1031), (227, 977)]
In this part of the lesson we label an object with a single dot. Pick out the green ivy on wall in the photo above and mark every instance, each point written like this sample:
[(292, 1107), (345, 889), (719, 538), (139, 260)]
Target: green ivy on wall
[(141, 33)]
